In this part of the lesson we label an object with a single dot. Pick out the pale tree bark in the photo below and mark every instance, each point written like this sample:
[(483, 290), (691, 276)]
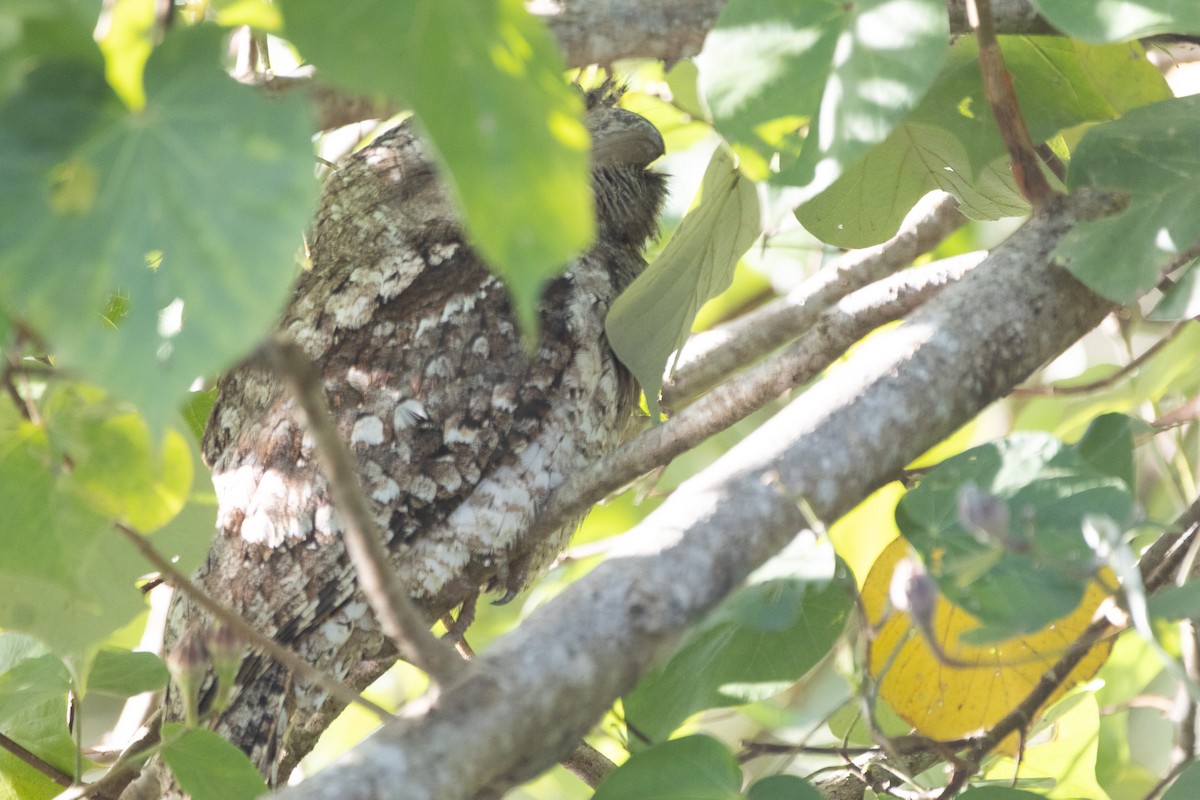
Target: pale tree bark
[(600, 33), (524, 703)]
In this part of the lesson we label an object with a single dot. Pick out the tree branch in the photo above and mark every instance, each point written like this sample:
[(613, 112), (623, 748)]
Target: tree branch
[(892, 400), (711, 356), (831, 336)]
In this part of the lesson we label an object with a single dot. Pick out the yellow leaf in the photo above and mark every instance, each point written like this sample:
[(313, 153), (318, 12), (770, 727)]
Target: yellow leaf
[(949, 700)]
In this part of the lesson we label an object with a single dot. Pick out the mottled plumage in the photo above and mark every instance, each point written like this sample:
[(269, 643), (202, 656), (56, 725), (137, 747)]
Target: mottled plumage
[(459, 433)]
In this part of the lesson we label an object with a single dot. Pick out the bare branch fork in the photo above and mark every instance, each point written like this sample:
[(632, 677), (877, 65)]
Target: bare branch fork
[(894, 398), (711, 356)]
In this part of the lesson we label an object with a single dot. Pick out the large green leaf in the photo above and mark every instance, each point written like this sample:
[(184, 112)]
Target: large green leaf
[(651, 319), (783, 787), (1118, 21), (691, 768), (485, 79), (125, 673), (1151, 154), (65, 575), (759, 642), (117, 466), (189, 212), (844, 72), (1000, 527), (33, 713), (208, 767), (950, 141)]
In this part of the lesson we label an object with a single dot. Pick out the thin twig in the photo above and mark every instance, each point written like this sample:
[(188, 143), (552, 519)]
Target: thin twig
[(379, 582), (588, 764), (49, 770), (998, 86), (1108, 380), (244, 630), (124, 769)]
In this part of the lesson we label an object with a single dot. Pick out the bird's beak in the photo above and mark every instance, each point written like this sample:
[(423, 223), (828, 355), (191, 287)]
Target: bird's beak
[(623, 137)]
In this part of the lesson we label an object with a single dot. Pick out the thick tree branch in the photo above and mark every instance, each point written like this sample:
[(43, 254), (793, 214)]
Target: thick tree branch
[(591, 32), (896, 397)]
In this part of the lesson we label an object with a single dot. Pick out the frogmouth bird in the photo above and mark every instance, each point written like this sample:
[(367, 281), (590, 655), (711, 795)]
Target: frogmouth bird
[(460, 430)]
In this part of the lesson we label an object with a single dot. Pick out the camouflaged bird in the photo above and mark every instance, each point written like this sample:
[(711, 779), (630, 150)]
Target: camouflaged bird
[(459, 433)]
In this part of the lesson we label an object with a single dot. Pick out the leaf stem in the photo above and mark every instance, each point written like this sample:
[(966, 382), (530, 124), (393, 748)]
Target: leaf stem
[(998, 86)]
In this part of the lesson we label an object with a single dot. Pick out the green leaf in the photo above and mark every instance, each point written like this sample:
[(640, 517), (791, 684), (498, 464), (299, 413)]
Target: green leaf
[(757, 643), (783, 787), (691, 768), (651, 319), (208, 767), (950, 140), (196, 410), (485, 79), (1150, 154), (1186, 786), (1176, 602), (33, 713), (1100, 22), (999, 793), (34, 30), (1024, 563), (65, 575), (117, 465), (125, 673), (1107, 446), (864, 64), (190, 212)]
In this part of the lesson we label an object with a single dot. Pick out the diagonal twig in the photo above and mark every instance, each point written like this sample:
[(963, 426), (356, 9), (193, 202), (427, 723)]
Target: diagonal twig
[(49, 770), (244, 630), (379, 582)]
